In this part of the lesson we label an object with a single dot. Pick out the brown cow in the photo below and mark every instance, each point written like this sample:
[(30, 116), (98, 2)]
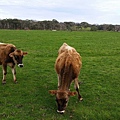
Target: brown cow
[(67, 65), (10, 56)]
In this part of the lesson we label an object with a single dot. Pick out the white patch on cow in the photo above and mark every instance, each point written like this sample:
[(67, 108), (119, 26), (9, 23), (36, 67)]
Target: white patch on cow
[(81, 99), (13, 45), (69, 48), (61, 111), (13, 72), (2, 43), (4, 76), (20, 65)]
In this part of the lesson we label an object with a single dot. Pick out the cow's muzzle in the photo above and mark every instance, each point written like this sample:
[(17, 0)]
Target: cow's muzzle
[(61, 112), (20, 65)]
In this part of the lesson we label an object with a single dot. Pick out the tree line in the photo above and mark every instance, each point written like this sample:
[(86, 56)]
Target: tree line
[(54, 25)]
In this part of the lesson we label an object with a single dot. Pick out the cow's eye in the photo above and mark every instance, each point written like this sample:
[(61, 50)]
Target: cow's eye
[(16, 57)]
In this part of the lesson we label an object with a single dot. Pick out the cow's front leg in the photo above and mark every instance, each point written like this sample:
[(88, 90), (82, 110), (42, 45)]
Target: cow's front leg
[(4, 68), (77, 89), (14, 74)]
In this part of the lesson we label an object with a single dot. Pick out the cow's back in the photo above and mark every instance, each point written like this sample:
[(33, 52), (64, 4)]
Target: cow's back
[(68, 61), (76, 63), (65, 47)]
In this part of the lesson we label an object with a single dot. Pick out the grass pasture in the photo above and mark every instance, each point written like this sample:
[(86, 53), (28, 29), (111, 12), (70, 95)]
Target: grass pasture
[(100, 76)]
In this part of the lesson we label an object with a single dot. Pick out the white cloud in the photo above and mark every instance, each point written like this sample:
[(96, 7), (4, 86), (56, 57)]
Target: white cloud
[(108, 5), (11, 2), (93, 11)]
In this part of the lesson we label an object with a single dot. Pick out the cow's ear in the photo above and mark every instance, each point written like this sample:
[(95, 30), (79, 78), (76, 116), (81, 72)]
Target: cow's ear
[(72, 93), (53, 92), (11, 54), (25, 53)]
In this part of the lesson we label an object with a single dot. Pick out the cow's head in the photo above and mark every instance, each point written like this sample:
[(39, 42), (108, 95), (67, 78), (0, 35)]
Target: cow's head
[(62, 98), (17, 57)]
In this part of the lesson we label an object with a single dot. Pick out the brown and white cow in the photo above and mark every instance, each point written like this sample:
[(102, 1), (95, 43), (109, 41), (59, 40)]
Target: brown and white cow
[(67, 65), (10, 56)]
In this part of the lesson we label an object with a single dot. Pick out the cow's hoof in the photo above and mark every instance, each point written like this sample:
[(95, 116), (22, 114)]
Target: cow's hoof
[(3, 82), (79, 83), (81, 99), (15, 82)]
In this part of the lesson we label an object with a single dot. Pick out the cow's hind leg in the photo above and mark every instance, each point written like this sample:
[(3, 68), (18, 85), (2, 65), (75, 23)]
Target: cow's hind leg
[(4, 68), (77, 89)]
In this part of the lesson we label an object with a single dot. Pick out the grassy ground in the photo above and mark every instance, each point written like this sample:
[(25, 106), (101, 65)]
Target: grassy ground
[(100, 74)]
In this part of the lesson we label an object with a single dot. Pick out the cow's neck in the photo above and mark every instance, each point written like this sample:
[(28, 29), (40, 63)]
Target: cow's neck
[(65, 85), (9, 60)]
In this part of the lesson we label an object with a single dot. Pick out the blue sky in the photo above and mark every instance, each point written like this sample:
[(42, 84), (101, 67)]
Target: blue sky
[(91, 11)]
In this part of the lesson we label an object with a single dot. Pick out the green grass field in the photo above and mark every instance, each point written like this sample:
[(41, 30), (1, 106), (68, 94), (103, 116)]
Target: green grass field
[(100, 76)]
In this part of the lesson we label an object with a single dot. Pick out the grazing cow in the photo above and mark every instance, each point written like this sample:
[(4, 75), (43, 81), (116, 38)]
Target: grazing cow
[(10, 56), (67, 65)]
